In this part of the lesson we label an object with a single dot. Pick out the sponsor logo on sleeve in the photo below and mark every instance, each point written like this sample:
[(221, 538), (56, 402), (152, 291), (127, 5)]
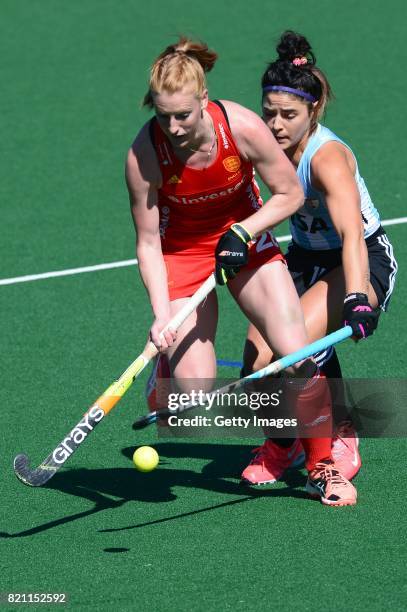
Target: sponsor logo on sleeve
[(164, 220)]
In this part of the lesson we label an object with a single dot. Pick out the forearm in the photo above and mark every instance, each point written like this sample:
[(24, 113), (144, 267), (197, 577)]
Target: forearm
[(357, 311), (355, 264), (154, 276), (276, 210)]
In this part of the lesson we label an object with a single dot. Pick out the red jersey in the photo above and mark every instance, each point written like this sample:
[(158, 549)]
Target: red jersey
[(198, 205)]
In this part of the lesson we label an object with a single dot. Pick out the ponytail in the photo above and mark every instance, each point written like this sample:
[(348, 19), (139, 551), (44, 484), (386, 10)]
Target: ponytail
[(183, 64)]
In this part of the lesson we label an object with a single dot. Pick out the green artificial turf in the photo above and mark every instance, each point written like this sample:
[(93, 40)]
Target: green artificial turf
[(187, 536)]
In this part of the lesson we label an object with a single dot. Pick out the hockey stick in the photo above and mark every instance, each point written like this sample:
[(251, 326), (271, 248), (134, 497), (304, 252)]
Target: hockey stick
[(273, 368), (103, 405)]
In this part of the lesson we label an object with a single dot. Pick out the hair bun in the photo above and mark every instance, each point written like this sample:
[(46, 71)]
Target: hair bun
[(293, 45), (197, 50)]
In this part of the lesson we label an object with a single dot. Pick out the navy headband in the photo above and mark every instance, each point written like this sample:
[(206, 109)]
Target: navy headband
[(291, 90)]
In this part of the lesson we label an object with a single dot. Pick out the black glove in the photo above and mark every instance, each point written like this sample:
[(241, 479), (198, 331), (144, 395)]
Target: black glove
[(358, 313), (231, 253)]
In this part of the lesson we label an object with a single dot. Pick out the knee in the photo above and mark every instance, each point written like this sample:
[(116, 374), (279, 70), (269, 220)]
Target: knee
[(194, 376)]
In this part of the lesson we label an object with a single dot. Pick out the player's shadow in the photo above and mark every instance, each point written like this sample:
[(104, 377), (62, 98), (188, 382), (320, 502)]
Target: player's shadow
[(223, 461), (379, 415), (113, 487)]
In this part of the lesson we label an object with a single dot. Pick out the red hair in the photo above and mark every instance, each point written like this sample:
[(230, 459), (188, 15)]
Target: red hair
[(183, 64)]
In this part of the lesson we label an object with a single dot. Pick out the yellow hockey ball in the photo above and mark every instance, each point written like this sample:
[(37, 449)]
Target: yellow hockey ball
[(145, 459)]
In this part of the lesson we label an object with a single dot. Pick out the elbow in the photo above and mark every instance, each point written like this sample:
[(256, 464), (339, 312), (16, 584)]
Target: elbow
[(141, 251), (297, 198), (147, 249)]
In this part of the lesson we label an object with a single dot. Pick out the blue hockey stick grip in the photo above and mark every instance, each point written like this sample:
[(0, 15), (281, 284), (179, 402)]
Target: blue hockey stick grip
[(306, 351)]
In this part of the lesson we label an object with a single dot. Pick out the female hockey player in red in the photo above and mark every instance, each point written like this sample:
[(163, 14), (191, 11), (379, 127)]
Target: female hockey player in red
[(196, 208)]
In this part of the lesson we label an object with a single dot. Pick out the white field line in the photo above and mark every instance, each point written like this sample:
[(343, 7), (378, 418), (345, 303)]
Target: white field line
[(69, 272), (125, 263)]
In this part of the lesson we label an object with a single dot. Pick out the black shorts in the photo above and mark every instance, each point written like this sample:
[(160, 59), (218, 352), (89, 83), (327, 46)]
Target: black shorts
[(307, 267)]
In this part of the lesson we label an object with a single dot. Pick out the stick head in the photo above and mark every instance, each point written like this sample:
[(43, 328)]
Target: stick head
[(32, 478), (21, 466), (144, 421)]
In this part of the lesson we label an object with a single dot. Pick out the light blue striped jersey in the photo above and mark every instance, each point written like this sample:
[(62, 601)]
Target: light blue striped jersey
[(311, 226)]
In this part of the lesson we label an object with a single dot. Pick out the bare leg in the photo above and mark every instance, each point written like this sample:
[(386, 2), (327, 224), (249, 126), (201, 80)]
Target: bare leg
[(268, 298), (192, 356)]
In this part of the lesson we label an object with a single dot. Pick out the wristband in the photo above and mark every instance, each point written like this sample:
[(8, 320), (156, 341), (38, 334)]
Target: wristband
[(356, 296), (242, 232)]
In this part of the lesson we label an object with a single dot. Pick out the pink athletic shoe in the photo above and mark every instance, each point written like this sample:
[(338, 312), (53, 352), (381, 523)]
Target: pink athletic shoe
[(327, 483), (271, 461), (345, 452)]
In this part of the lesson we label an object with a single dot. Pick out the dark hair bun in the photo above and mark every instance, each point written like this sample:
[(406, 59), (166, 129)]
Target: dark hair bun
[(292, 45)]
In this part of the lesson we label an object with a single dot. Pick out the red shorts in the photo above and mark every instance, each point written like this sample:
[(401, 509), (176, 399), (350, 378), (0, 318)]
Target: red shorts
[(188, 270)]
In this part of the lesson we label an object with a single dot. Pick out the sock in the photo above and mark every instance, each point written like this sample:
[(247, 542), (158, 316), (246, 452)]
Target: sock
[(342, 407), (255, 386), (159, 387), (313, 409), (316, 450), (329, 365)]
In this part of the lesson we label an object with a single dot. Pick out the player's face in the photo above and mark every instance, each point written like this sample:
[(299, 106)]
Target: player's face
[(287, 117), (180, 115)]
